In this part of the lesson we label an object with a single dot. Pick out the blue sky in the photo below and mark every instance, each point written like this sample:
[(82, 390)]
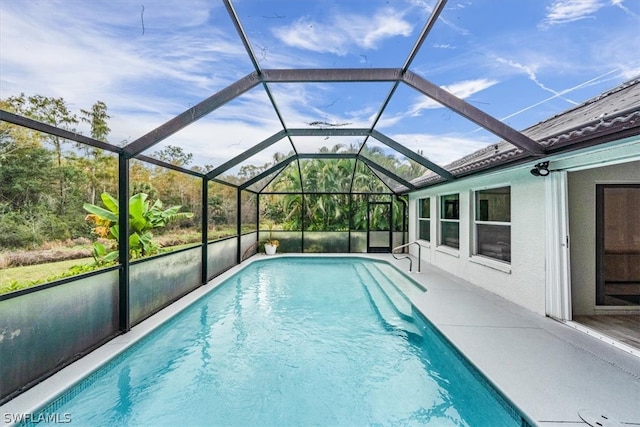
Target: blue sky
[(520, 61)]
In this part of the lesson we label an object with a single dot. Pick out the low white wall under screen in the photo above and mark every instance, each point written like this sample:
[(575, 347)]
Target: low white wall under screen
[(43, 330), (221, 256), (523, 282), (248, 245), (156, 282)]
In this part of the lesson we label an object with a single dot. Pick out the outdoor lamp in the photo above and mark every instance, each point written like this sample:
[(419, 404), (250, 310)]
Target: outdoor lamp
[(541, 169)]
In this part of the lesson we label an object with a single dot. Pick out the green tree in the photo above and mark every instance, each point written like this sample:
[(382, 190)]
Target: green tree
[(54, 112), (101, 168), (25, 199), (97, 117), (174, 155)]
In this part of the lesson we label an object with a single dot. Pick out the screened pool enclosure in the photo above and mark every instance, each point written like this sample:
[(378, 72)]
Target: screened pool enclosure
[(220, 134)]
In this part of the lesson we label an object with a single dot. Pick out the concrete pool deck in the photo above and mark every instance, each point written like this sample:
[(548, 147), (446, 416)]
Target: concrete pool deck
[(548, 370)]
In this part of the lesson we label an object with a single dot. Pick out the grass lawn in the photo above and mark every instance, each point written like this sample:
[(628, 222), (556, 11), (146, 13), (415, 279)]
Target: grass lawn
[(47, 270), (39, 271)]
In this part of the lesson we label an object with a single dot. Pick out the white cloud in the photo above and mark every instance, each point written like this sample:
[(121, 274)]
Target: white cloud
[(313, 36), (440, 149), (386, 24), (631, 72), (301, 104), (99, 52), (620, 4), (564, 11), (149, 65), (443, 46), (214, 143), (228, 131), (338, 34)]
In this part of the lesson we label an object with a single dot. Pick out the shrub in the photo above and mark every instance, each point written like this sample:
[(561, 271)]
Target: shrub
[(14, 234)]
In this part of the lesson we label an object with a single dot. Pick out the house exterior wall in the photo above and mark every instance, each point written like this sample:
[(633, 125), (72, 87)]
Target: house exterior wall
[(521, 281), (582, 228)]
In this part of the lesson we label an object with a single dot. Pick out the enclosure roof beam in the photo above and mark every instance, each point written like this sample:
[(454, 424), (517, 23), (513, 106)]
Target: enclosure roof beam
[(433, 17), (245, 41), (243, 35), (380, 137), (220, 181), (171, 166), (472, 113), (288, 160), (52, 130), (326, 75), (327, 156), (192, 114), (412, 155), (387, 172), (357, 156), (328, 131), (268, 172), (246, 154), (431, 21), (168, 165)]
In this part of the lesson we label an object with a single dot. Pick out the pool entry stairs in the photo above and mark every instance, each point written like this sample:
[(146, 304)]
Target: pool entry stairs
[(388, 288)]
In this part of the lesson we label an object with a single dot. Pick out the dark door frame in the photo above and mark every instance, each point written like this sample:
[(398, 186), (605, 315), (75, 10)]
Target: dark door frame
[(379, 249), (600, 238)]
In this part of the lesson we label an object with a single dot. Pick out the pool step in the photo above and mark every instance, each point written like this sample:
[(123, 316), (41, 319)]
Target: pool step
[(407, 286), (383, 305), (398, 300)]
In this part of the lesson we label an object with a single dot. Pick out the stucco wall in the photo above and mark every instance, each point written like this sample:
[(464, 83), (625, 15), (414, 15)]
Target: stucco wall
[(582, 228), (524, 280)]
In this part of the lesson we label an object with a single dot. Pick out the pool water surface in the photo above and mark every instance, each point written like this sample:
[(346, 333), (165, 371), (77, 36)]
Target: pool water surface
[(288, 341)]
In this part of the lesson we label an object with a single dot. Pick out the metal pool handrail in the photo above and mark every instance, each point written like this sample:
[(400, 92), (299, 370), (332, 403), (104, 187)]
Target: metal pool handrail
[(407, 256)]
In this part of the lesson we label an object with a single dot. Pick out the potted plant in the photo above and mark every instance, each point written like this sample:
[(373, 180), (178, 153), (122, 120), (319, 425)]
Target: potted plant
[(271, 245)]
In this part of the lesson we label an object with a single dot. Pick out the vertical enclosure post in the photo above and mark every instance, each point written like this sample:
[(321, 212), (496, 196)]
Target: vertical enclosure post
[(368, 221), (302, 222), (391, 222), (123, 242), (350, 223), (204, 226), (258, 220), (239, 224), (405, 211)]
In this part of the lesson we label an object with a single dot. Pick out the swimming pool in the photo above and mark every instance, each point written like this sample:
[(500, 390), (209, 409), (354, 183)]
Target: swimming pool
[(290, 341)]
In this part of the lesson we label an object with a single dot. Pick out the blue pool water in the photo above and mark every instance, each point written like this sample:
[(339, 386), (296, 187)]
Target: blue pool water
[(288, 341)]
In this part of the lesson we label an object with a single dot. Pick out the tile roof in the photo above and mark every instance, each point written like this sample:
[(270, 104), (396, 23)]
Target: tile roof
[(610, 116)]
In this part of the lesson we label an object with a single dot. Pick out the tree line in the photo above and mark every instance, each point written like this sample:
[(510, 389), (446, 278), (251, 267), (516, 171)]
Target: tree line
[(46, 180)]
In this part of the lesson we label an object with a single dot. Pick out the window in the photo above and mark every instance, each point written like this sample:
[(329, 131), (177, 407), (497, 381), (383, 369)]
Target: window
[(450, 220), (493, 223), (424, 221)]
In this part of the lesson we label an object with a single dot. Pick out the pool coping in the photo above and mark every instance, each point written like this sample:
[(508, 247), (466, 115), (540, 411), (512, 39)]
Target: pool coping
[(549, 371)]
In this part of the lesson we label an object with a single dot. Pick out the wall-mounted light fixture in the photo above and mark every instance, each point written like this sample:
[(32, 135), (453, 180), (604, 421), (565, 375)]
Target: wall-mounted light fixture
[(541, 169)]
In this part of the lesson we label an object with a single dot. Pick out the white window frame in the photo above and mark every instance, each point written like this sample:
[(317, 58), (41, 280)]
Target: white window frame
[(475, 222), (421, 218), (442, 220)]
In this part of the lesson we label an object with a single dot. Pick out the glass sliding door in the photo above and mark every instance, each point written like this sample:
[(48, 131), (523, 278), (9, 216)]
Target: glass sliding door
[(618, 244)]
